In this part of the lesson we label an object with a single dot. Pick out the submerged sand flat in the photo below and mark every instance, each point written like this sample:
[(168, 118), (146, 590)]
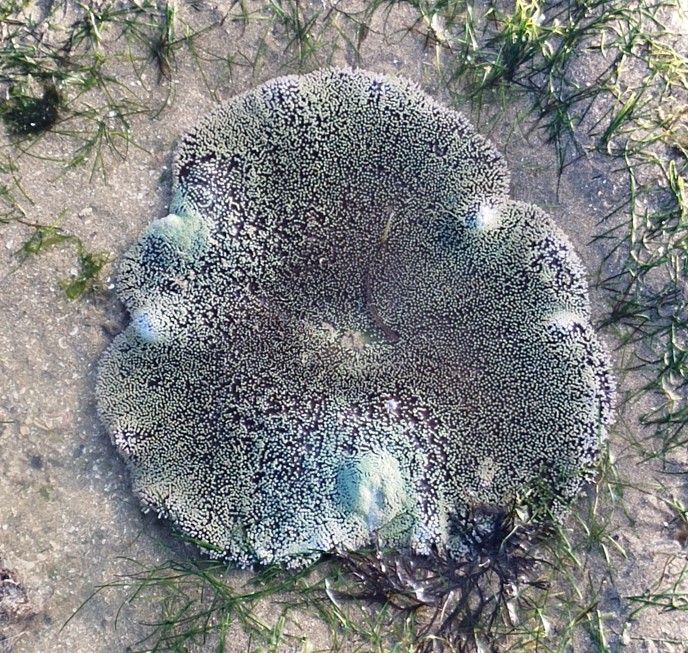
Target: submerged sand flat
[(68, 520)]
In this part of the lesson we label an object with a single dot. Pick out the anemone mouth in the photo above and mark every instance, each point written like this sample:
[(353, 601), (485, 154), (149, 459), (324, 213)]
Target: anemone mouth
[(346, 333)]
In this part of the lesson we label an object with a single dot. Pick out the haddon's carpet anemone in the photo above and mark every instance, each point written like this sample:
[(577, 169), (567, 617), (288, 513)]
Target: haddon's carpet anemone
[(345, 333)]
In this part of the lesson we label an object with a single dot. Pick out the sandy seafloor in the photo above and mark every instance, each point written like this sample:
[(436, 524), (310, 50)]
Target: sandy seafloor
[(68, 520)]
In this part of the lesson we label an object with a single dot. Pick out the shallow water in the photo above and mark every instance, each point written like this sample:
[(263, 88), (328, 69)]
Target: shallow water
[(68, 520)]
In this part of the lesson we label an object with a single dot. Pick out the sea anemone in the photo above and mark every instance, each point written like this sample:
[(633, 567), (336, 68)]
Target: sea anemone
[(345, 334)]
